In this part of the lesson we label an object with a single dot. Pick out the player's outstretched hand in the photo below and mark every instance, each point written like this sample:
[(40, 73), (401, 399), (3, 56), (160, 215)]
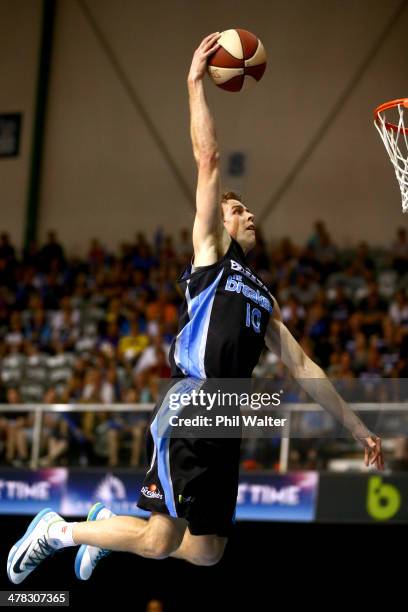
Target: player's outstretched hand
[(373, 453), (199, 63)]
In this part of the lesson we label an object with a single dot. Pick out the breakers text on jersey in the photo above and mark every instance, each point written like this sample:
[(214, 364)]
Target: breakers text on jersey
[(239, 268), (234, 283)]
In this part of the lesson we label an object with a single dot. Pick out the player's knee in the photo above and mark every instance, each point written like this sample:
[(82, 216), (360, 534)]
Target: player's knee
[(155, 546), (157, 550)]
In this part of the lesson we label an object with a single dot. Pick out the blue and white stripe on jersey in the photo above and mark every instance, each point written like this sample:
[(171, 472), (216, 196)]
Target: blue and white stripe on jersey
[(190, 346)]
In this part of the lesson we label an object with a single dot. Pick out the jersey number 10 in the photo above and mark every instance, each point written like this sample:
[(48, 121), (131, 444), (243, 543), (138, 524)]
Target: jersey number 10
[(253, 318)]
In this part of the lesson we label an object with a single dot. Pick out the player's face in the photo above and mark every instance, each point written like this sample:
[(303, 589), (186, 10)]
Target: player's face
[(239, 223)]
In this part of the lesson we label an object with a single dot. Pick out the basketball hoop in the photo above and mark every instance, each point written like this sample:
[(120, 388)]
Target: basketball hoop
[(394, 135)]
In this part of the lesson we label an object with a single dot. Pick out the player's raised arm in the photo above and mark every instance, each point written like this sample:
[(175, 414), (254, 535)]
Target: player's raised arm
[(208, 221), (315, 382)]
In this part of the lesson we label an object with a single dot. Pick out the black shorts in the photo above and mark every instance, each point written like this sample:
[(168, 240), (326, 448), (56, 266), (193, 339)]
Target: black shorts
[(191, 478)]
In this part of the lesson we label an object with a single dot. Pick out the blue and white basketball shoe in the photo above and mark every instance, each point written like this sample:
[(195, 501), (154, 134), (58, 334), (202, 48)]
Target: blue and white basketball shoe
[(89, 556), (35, 546)]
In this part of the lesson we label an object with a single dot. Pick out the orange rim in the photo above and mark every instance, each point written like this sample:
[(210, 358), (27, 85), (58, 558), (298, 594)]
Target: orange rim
[(386, 106)]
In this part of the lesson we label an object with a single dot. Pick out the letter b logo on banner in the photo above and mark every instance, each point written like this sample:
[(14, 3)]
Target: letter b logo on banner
[(383, 500)]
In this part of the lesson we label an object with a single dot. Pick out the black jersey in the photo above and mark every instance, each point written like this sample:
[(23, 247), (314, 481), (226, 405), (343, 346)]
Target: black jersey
[(223, 319)]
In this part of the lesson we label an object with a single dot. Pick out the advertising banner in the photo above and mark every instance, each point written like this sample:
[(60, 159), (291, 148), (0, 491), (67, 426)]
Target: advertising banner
[(261, 497), (119, 490), (363, 498), (277, 497), (28, 492)]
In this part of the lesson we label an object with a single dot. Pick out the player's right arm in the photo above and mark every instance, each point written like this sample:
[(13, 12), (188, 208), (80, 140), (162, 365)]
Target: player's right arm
[(208, 227)]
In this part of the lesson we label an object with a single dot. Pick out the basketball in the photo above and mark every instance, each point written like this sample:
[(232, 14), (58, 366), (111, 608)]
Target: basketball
[(240, 60)]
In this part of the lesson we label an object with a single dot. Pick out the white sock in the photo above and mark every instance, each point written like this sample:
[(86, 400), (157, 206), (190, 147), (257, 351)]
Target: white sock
[(61, 533)]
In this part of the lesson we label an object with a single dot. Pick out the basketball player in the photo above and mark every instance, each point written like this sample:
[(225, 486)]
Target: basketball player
[(222, 333)]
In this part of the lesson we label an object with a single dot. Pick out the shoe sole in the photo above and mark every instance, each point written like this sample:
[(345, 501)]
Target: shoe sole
[(92, 514), (30, 529)]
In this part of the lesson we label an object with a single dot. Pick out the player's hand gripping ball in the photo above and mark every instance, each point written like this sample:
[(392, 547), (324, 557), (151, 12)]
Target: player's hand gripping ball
[(240, 60)]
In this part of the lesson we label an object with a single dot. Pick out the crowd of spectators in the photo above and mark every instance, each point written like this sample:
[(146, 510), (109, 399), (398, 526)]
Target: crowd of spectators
[(97, 329)]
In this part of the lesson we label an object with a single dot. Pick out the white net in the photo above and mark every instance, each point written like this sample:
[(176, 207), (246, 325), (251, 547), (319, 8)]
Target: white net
[(396, 143)]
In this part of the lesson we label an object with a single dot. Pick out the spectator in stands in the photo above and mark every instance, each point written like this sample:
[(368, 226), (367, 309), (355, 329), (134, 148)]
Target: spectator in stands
[(56, 433), (16, 442), (110, 389), (133, 343), (149, 356), (317, 237), (124, 428), (362, 257), (373, 309), (400, 251), (52, 252), (184, 246), (398, 310), (326, 254), (110, 339), (37, 328), (341, 307), (96, 255), (92, 386), (7, 250), (306, 289), (358, 348), (15, 335)]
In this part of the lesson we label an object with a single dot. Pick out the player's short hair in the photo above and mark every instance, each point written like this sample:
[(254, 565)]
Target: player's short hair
[(230, 195)]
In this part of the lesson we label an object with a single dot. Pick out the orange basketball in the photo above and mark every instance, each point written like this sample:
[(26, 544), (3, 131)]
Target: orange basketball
[(240, 60)]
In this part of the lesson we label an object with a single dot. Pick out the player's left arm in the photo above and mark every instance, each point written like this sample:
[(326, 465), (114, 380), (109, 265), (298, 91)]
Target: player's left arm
[(315, 382)]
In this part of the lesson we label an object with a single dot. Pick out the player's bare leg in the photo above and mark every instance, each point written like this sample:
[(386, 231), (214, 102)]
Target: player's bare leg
[(155, 538), (201, 549)]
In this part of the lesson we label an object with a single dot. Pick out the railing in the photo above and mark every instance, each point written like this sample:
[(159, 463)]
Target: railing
[(39, 409)]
